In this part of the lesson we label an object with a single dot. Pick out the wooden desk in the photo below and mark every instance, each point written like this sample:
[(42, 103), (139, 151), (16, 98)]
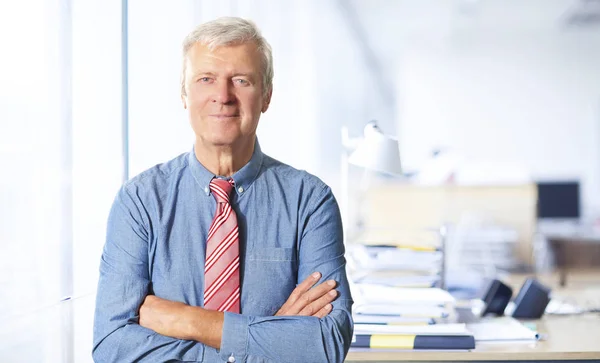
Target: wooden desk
[(568, 337), (561, 243)]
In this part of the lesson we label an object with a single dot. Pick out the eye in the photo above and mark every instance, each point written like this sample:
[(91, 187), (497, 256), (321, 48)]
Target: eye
[(204, 79), (241, 82)]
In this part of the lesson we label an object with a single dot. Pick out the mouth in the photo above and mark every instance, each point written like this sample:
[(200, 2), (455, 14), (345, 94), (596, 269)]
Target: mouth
[(225, 116)]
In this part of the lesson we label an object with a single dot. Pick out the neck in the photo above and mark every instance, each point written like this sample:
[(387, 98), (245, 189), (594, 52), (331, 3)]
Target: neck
[(224, 160)]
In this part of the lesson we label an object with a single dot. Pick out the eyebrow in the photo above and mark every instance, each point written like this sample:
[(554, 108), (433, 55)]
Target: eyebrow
[(249, 75), (202, 73)]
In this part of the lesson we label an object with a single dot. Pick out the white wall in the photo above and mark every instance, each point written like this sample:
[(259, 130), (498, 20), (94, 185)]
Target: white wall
[(499, 98), (499, 80)]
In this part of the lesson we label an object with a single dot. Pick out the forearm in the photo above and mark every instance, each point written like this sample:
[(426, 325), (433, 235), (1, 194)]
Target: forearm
[(242, 336), (134, 343), (289, 338)]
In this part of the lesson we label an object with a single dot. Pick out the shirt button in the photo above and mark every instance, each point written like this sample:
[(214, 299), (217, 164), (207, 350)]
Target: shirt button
[(206, 190), (241, 189), (231, 359)]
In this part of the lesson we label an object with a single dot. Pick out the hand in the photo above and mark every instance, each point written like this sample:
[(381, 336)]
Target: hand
[(305, 301), (165, 317)]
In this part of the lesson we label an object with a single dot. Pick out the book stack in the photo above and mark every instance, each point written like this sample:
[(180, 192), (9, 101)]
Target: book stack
[(398, 301), (406, 318)]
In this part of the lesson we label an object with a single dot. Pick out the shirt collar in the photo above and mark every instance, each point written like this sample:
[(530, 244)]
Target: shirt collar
[(243, 178)]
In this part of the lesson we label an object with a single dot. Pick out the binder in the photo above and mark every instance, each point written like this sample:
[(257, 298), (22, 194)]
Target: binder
[(450, 342)]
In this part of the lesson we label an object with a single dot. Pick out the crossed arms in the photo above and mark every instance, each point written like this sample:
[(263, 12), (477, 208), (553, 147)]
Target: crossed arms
[(131, 324)]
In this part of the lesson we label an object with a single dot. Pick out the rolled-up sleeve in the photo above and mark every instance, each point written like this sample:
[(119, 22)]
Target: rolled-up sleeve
[(123, 285), (301, 338), (125, 282)]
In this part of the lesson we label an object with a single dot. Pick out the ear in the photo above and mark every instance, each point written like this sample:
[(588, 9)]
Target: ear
[(267, 100), (184, 101)]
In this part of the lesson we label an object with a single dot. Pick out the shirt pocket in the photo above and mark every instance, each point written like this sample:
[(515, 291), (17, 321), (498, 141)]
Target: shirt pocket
[(270, 276)]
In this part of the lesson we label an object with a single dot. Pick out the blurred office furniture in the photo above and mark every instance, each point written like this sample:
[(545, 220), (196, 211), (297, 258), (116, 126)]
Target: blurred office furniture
[(569, 239), (507, 206), (562, 338), (559, 200), (398, 283), (573, 242), (482, 245), (568, 247), (402, 257), (374, 152), (567, 339)]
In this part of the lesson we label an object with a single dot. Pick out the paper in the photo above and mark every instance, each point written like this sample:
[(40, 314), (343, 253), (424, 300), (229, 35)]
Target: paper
[(403, 281), (371, 293), (501, 329), (402, 310), (390, 319), (436, 329), (387, 258)]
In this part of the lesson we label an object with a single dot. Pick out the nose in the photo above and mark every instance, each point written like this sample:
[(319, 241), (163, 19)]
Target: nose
[(224, 93)]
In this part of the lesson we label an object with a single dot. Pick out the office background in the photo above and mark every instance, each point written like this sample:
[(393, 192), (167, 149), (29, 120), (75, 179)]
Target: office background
[(511, 86)]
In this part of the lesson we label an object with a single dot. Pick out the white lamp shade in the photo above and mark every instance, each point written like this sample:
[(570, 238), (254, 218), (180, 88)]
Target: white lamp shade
[(377, 152)]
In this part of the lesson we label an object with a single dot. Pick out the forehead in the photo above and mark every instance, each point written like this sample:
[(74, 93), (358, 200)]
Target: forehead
[(243, 57)]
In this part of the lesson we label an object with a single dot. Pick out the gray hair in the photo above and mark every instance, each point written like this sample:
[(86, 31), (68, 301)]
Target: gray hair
[(227, 31)]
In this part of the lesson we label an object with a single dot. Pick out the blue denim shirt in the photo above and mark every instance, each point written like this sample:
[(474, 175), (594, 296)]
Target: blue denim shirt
[(289, 225)]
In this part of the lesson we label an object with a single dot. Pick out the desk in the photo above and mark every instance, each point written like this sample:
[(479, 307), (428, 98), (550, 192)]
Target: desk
[(560, 243), (568, 337)]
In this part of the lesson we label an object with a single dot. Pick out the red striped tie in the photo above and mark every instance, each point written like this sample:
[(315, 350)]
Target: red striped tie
[(221, 271)]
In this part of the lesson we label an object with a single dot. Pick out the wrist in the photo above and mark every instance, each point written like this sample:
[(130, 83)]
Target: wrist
[(204, 326)]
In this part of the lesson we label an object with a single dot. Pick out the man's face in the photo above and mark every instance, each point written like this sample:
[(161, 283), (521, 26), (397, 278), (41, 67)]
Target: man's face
[(224, 93)]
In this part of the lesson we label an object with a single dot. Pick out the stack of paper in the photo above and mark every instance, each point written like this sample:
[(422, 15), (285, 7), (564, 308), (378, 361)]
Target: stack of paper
[(396, 302), (405, 302), (399, 266), (394, 258)]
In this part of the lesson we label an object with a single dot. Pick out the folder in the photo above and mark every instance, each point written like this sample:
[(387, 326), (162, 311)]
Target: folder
[(459, 342)]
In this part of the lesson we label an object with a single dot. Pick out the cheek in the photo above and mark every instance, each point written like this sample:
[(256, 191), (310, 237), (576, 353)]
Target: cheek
[(197, 94), (251, 104), (197, 102)]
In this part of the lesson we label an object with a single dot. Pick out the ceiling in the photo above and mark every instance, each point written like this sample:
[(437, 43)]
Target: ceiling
[(443, 16)]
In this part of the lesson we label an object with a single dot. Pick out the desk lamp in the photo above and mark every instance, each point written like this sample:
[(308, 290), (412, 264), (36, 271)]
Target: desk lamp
[(375, 151)]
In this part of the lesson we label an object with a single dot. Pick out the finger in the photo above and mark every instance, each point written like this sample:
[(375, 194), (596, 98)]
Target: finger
[(302, 288), (314, 294), (318, 304), (324, 311)]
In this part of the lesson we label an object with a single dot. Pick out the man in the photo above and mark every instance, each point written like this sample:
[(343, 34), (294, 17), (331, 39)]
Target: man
[(223, 253)]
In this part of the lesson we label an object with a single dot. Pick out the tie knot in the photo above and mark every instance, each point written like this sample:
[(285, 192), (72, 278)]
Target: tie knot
[(220, 189)]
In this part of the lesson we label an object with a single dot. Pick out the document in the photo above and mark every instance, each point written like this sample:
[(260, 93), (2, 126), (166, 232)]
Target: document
[(390, 320), (402, 310), (371, 293), (436, 329), (501, 329)]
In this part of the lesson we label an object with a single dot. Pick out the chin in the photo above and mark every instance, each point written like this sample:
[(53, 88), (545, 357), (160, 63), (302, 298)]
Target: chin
[(223, 139)]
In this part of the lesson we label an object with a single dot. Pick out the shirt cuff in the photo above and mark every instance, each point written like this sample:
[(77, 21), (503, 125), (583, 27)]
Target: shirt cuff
[(234, 340)]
